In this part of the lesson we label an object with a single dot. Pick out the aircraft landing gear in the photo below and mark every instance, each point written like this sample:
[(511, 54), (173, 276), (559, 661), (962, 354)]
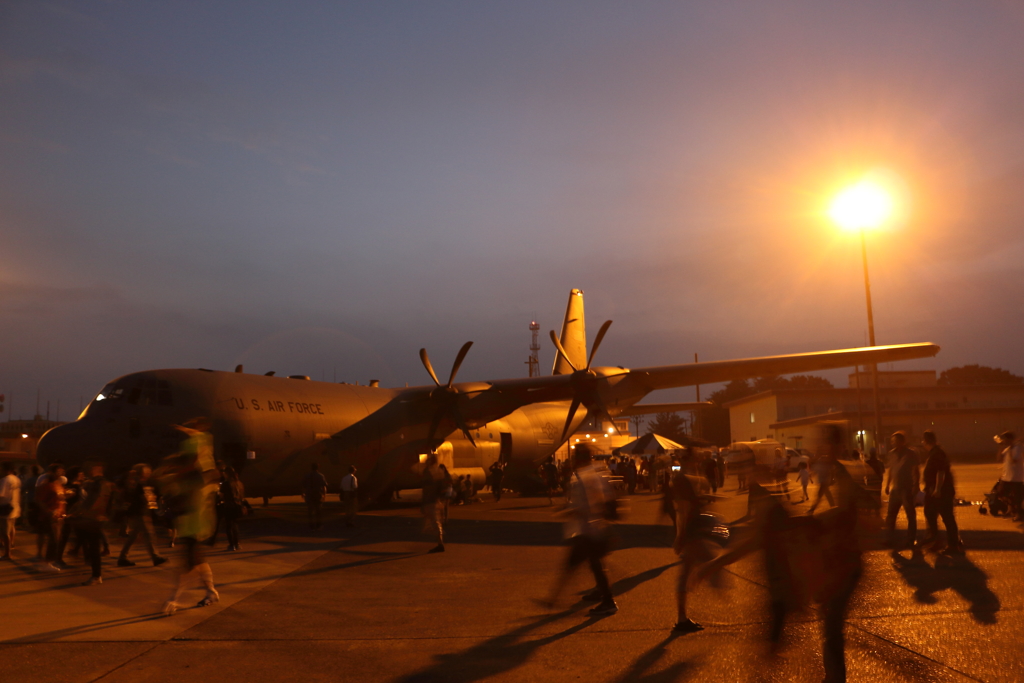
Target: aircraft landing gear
[(266, 501)]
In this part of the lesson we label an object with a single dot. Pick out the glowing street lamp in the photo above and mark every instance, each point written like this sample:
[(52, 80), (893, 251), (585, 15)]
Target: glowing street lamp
[(860, 207)]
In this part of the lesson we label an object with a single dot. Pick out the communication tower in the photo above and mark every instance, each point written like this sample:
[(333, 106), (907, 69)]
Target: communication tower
[(534, 361)]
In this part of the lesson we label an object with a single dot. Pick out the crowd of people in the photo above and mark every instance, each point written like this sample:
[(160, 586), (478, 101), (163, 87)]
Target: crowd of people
[(183, 502), (808, 558)]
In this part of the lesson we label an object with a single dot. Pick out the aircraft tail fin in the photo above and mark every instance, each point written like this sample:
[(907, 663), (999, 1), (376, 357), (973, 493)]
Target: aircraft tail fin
[(573, 336)]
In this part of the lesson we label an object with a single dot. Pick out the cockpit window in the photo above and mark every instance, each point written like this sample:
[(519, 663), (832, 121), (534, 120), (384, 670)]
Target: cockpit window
[(109, 393), (151, 392)]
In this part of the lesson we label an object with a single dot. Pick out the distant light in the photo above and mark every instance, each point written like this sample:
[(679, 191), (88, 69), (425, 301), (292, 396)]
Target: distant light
[(611, 429), (588, 436), (594, 440), (24, 436), (423, 457), (864, 205)]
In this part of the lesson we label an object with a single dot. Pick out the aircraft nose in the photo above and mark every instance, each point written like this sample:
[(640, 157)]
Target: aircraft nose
[(67, 444)]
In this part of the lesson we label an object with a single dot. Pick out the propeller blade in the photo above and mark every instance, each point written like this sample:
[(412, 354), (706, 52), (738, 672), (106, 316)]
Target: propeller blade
[(458, 362), (603, 412), (434, 424), (568, 418), (561, 350), (428, 366), (597, 341), (462, 425)]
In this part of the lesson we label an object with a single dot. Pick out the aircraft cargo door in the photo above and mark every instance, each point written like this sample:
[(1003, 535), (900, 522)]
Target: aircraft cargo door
[(505, 454)]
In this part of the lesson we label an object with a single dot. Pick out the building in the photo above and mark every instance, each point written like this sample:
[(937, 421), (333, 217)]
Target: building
[(21, 436), (965, 418)]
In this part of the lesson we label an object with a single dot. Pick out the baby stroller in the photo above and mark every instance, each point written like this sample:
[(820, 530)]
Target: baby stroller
[(1000, 504)]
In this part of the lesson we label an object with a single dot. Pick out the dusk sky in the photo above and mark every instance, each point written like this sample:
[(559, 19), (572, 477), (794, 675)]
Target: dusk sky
[(323, 188)]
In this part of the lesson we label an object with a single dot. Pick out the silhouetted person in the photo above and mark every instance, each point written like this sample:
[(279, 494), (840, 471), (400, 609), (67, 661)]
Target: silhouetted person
[(1011, 483), (803, 475), (769, 531), (232, 503), (497, 475), (89, 514), (10, 508), (447, 492), (51, 508), (780, 471), (902, 485), (587, 530), (939, 492), (550, 473), (350, 495), (710, 468), (431, 482), (689, 546), (824, 465), (141, 502), (315, 487)]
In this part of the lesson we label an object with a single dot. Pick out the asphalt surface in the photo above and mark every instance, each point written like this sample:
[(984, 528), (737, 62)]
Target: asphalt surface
[(369, 604)]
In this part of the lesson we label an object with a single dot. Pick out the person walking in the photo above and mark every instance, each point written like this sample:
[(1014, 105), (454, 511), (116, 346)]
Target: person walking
[(51, 508), (140, 504), (1011, 483), (780, 471), (497, 474), (939, 492), (803, 475), (232, 501), (349, 495), (432, 482), (587, 531), (88, 516), (710, 468), (315, 487), (902, 485), (10, 508), (689, 546), (188, 482), (447, 492)]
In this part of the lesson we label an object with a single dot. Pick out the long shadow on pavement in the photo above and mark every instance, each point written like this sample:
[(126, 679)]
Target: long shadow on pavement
[(646, 661), (495, 655), (956, 573)]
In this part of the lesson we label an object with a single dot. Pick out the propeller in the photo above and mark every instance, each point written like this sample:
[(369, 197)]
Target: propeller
[(584, 380), (446, 396)]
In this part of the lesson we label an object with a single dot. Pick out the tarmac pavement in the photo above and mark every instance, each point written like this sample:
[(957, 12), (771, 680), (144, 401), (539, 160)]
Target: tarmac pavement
[(369, 604)]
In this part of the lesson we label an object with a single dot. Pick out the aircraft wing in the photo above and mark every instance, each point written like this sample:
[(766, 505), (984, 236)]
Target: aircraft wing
[(655, 408), (669, 376)]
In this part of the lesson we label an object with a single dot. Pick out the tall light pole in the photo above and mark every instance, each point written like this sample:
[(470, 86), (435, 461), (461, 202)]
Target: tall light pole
[(860, 207)]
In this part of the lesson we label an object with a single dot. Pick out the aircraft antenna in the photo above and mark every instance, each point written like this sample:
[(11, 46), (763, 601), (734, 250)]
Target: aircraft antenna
[(534, 361)]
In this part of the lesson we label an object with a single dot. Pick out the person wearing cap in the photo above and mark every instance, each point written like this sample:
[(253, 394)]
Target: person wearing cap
[(904, 482), (1011, 483)]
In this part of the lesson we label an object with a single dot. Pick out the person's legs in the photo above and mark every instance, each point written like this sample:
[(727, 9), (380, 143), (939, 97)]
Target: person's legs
[(134, 529), (892, 511), (8, 538), (931, 518), (910, 508), (683, 622), (231, 528), (91, 548), (833, 649), (596, 550), (949, 521), (577, 554)]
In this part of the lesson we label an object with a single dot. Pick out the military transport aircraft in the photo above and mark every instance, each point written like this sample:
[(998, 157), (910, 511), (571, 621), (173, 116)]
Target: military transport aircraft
[(272, 428)]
